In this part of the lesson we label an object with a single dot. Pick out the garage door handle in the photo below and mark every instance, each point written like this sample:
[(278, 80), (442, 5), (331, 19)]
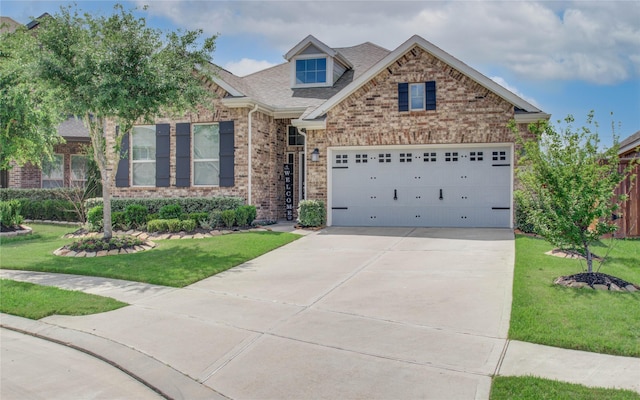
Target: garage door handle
[(441, 195), (395, 194)]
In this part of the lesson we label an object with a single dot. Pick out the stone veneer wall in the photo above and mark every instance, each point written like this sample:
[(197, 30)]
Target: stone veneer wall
[(466, 112)]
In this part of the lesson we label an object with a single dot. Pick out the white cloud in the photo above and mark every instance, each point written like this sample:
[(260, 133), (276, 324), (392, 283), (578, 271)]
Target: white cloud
[(502, 82), (571, 40), (246, 66)]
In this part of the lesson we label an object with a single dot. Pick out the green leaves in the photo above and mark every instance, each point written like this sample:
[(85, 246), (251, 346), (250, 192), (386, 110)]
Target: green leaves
[(569, 183)]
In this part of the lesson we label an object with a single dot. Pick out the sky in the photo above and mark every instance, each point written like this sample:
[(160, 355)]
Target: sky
[(565, 57)]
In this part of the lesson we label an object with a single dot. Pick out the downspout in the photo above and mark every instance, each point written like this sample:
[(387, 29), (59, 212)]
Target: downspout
[(303, 132), (249, 151)]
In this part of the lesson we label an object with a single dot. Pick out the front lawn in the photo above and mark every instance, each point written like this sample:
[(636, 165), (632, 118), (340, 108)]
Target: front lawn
[(532, 388), (34, 301), (581, 319), (175, 263)]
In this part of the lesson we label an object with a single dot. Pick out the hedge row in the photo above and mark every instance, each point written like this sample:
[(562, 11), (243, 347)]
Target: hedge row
[(40, 194), (53, 210), (188, 205)]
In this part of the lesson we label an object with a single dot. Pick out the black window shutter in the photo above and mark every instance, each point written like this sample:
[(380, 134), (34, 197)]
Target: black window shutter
[(227, 147), (403, 96), (122, 176), (430, 93), (163, 152), (183, 154)]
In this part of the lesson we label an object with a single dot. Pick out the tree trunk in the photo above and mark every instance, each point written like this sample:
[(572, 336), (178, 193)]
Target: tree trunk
[(101, 154), (589, 258)]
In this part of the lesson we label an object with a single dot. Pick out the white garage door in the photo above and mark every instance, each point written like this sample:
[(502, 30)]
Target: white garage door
[(421, 186)]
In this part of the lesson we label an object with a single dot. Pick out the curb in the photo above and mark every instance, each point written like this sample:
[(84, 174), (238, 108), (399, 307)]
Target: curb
[(159, 377)]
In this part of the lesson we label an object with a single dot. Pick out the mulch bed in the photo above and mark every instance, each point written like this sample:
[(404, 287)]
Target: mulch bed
[(597, 280)]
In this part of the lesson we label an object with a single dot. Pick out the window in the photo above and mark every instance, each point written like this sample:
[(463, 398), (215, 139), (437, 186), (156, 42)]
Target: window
[(53, 172), (311, 70), (78, 170), (417, 99), (417, 96), (206, 155), (295, 137), (342, 158), (143, 160)]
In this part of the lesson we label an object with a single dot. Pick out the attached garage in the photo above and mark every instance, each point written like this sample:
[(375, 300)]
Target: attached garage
[(425, 186)]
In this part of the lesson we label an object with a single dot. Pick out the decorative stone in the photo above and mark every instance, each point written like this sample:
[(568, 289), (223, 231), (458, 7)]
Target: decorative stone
[(198, 236), (71, 253), (600, 287), (102, 253), (631, 288), (90, 254), (215, 233), (113, 252), (82, 254), (187, 237), (143, 236), (575, 284), (150, 243)]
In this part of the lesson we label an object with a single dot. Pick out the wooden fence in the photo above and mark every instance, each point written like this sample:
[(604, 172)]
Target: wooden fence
[(629, 212)]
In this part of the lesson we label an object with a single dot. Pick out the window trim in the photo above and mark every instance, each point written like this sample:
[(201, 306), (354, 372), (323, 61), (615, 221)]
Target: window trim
[(203, 160), (132, 161), (328, 72), (55, 155), (298, 135)]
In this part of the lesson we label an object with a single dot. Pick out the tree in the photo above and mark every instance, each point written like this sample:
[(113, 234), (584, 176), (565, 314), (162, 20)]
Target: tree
[(569, 184), (29, 114), (115, 68)]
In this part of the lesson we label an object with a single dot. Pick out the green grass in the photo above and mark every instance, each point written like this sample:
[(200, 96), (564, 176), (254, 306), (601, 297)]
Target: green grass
[(581, 319), (532, 388), (172, 263), (35, 301)]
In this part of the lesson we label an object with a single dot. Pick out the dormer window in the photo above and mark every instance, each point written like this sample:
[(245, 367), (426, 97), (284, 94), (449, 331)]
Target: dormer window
[(314, 64), (311, 70)]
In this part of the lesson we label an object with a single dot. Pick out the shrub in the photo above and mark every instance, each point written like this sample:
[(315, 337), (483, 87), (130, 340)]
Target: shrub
[(228, 218), (522, 213), (188, 204), (199, 218), (215, 218), (37, 194), (188, 225), (10, 213), (118, 220), (135, 215), (97, 244), (311, 213), (251, 213), (174, 225), (157, 225), (95, 218), (152, 217), (170, 211), (242, 215)]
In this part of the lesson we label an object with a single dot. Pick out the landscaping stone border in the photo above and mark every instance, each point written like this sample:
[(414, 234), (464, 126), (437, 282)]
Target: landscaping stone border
[(24, 231), (145, 236)]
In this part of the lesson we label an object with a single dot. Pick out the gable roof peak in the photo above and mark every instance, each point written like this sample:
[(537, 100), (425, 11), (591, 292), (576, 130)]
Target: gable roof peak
[(306, 42)]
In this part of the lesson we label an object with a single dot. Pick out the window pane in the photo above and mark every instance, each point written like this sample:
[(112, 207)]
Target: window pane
[(321, 64), (206, 173), (144, 143), (417, 96), (78, 168), (206, 142), (300, 76), (53, 169), (144, 174), (312, 70), (322, 77), (51, 184), (301, 65)]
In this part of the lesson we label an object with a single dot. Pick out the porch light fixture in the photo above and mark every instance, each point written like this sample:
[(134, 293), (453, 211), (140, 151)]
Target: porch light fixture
[(315, 155)]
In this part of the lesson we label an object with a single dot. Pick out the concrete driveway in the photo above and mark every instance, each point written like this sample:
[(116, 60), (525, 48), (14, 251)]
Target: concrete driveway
[(349, 313)]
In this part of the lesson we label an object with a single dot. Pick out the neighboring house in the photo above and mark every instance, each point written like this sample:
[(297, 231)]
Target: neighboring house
[(629, 221), (409, 137), (68, 168), (8, 24)]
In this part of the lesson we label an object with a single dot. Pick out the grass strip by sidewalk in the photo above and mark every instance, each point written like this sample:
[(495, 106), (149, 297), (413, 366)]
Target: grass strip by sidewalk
[(176, 263), (533, 388), (580, 319), (34, 301)]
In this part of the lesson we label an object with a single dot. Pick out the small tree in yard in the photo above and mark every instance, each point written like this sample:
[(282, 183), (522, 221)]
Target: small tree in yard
[(569, 184), (116, 68)]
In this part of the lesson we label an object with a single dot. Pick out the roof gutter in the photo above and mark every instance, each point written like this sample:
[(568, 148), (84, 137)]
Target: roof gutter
[(529, 118), (275, 112)]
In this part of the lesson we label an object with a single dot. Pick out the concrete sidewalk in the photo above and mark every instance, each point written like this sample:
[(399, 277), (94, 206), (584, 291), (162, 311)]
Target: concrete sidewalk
[(341, 313)]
